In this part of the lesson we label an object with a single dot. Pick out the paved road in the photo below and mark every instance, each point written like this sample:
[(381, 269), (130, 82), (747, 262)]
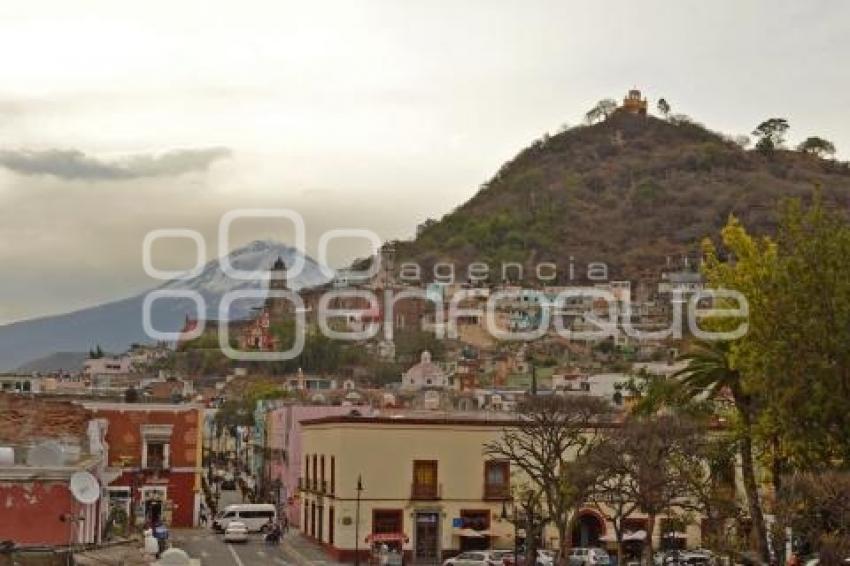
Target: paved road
[(213, 551)]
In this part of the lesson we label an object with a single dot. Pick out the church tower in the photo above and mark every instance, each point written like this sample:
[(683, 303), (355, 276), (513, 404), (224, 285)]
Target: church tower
[(277, 279), (634, 104)]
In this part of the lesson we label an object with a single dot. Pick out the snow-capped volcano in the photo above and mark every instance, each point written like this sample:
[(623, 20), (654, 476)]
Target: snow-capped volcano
[(257, 258), (116, 325)]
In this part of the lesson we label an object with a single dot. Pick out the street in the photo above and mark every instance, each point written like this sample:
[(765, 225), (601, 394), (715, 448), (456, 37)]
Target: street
[(212, 550)]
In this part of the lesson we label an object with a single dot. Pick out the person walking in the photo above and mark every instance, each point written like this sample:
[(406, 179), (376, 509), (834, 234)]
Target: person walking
[(160, 533)]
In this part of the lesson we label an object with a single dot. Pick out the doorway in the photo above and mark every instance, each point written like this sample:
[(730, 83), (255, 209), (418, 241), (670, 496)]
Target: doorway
[(587, 530), (428, 538)]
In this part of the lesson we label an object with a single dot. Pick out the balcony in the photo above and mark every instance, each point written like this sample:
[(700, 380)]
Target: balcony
[(497, 492), (426, 492)]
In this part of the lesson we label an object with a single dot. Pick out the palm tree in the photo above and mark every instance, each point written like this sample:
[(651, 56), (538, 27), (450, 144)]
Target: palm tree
[(708, 373)]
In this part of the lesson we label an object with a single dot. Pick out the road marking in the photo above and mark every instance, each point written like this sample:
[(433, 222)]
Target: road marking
[(281, 561), (235, 556), (204, 554), (261, 553)]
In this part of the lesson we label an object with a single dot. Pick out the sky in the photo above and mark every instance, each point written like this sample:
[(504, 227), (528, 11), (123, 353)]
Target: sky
[(118, 118)]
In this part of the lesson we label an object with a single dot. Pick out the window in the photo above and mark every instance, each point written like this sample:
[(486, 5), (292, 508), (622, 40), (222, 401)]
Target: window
[(157, 458), (497, 479), (256, 514), (387, 521), (156, 446), (425, 480), (478, 520), (333, 475)]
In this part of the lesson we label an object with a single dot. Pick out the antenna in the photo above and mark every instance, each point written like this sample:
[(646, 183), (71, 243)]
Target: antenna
[(84, 487)]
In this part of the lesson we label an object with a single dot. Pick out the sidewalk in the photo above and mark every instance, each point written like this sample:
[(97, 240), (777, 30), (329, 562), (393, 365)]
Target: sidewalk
[(304, 552)]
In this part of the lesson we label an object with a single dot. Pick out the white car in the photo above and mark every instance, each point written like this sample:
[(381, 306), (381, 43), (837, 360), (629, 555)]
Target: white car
[(236, 532), (476, 558), (588, 557), (545, 557)]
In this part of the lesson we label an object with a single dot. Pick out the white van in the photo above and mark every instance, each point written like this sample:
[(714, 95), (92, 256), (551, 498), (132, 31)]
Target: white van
[(253, 515)]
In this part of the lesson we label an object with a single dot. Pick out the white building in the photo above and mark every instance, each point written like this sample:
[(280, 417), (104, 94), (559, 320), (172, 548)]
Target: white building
[(107, 365), (424, 374)]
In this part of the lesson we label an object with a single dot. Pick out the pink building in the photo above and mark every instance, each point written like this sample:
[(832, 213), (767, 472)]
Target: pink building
[(283, 429)]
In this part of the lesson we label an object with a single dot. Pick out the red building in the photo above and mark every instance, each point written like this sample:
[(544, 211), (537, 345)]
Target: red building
[(153, 468), (42, 444)]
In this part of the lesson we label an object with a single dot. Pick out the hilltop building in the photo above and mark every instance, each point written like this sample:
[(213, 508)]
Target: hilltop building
[(634, 104)]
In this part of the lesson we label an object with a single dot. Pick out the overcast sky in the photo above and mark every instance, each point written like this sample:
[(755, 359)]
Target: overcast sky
[(118, 117)]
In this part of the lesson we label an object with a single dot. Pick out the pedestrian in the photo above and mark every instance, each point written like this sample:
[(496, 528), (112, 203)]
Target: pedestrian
[(284, 523), (203, 514), (160, 533)]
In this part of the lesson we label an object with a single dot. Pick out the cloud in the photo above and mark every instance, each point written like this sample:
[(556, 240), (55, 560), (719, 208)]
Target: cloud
[(73, 164)]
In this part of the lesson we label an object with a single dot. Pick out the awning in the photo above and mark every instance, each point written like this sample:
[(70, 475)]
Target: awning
[(387, 537), (629, 536), (470, 533)]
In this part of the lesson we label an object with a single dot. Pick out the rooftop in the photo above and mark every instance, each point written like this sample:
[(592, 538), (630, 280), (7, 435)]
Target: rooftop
[(26, 419)]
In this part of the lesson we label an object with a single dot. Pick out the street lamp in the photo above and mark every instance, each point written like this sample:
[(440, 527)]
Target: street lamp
[(357, 522)]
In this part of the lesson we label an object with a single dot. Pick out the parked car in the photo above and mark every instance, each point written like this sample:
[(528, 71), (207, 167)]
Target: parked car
[(546, 557), (236, 532), (228, 485), (697, 557), (505, 557), (588, 557), (476, 558)]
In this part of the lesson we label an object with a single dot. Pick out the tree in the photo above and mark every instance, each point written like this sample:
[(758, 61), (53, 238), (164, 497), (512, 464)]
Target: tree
[(609, 492), (707, 471), (771, 134), (663, 107), (531, 514), (796, 349), (816, 506), (816, 146), (646, 451), (710, 372), (549, 446), (601, 111), (793, 360)]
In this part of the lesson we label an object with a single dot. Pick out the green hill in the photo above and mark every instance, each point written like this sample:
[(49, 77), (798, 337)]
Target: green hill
[(630, 191)]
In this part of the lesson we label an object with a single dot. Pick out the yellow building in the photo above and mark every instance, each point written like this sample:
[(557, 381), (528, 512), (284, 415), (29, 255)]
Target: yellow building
[(425, 480), (634, 104), (427, 486)]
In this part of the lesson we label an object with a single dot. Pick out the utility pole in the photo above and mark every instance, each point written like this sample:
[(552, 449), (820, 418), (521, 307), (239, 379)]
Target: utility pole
[(357, 522)]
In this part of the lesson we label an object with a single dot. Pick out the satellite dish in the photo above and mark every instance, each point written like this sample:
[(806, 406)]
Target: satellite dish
[(85, 487)]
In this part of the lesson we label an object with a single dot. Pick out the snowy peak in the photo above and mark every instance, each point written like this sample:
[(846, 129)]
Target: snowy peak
[(257, 259)]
